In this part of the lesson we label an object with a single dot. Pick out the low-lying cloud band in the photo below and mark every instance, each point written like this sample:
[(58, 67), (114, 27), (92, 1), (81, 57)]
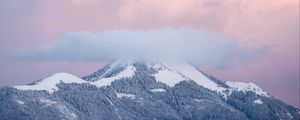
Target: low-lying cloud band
[(202, 47)]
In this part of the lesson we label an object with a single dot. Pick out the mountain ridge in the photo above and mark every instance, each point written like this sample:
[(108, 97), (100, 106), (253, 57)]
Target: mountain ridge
[(143, 90), (105, 79)]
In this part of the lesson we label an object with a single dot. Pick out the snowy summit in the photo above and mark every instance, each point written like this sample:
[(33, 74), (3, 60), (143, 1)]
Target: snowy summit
[(169, 73), (134, 89)]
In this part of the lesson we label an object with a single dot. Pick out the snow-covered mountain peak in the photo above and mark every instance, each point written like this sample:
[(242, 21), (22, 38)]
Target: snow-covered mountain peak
[(118, 69), (126, 72), (167, 72), (127, 89), (49, 83), (244, 87), (172, 73), (111, 70)]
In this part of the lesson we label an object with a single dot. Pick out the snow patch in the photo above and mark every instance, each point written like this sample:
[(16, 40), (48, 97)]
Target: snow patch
[(49, 84), (117, 113), (117, 64), (246, 87), (66, 112), (20, 102), (198, 100), (61, 108), (191, 72), (125, 95), (158, 90), (127, 73), (168, 77), (47, 101), (258, 101), (289, 114), (172, 73), (111, 103)]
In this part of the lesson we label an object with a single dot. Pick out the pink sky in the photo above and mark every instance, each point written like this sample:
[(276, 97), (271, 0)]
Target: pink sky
[(32, 23)]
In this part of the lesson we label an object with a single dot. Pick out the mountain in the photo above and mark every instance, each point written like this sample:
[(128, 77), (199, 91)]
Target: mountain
[(136, 90)]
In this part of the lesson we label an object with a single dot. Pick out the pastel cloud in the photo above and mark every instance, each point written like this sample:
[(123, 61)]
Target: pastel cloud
[(251, 21), (209, 50)]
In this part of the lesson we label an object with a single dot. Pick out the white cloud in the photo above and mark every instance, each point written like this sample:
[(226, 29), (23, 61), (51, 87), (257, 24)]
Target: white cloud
[(202, 47)]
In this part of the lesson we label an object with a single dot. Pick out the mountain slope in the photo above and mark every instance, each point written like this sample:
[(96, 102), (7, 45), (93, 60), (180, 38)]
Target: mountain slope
[(129, 89)]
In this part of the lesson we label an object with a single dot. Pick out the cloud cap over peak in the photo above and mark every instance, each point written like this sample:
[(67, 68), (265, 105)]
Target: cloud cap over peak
[(203, 47)]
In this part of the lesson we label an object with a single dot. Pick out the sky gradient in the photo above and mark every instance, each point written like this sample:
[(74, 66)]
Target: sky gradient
[(270, 28)]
